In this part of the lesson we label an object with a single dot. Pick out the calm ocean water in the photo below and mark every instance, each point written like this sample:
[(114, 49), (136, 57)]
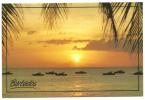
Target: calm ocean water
[(74, 84)]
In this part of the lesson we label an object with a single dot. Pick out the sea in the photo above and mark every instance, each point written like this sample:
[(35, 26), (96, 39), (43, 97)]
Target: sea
[(93, 83)]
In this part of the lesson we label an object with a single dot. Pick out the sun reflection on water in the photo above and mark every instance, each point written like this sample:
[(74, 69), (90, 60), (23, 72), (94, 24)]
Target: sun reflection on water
[(78, 94)]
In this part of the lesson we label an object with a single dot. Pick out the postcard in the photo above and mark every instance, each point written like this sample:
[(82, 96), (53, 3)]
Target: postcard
[(72, 49)]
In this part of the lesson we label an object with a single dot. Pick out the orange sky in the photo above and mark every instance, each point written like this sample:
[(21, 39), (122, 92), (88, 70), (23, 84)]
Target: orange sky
[(77, 42)]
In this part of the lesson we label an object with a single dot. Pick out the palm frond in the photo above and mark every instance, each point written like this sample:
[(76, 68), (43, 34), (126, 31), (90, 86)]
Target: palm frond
[(134, 38), (54, 12), (134, 28), (107, 9), (11, 22)]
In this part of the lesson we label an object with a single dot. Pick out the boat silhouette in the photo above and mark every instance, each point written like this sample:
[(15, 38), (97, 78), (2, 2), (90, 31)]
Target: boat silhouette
[(138, 73), (60, 74), (38, 74), (51, 73), (119, 72), (109, 73), (80, 72), (7, 73)]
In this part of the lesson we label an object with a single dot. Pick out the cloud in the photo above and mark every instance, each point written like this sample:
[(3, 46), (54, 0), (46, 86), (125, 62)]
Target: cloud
[(61, 42), (31, 32), (102, 45), (57, 42)]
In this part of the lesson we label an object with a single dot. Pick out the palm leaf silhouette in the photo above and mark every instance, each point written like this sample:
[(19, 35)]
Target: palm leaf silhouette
[(11, 22), (134, 39), (107, 9), (53, 12)]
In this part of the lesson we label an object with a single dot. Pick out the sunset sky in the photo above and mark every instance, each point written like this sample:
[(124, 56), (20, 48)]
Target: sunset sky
[(78, 41)]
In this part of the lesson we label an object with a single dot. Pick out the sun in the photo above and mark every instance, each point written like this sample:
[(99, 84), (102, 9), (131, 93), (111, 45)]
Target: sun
[(76, 57)]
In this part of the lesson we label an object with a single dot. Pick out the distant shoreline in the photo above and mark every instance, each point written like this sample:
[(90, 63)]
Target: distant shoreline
[(141, 67)]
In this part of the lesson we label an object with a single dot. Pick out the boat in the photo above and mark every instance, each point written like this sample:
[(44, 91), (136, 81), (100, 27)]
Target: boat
[(80, 72), (138, 73), (7, 73), (38, 74), (109, 73), (51, 73), (119, 72), (60, 74)]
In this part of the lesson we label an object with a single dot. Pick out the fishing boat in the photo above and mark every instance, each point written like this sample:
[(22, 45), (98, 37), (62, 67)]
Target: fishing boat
[(60, 74), (38, 74), (138, 73), (119, 72), (7, 73), (51, 73), (109, 73), (80, 72)]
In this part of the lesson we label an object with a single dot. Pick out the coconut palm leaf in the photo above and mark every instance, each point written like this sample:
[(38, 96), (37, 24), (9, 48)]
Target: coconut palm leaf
[(134, 29), (11, 22), (54, 12), (107, 9)]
